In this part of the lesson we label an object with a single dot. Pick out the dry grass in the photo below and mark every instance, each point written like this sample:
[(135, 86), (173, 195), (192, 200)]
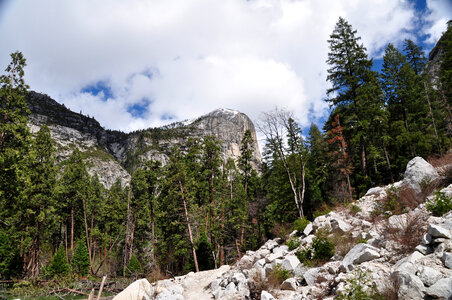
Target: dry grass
[(257, 285), (155, 275), (408, 235), (281, 230), (343, 242), (391, 290), (440, 161)]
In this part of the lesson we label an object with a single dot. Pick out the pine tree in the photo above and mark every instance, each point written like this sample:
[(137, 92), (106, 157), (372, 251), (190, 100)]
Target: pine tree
[(415, 56), (354, 86), (38, 207), (59, 266), (80, 261)]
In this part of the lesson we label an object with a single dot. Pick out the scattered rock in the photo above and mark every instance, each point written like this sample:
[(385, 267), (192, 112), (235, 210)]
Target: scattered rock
[(308, 229), (429, 276), (289, 284), (358, 254), (447, 259), (410, 286), (436, 231), (290, 263), (266, 296), (442, 289)]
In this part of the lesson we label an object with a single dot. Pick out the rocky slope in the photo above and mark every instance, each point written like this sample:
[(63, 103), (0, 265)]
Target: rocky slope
[(113, 155), (375, 256)]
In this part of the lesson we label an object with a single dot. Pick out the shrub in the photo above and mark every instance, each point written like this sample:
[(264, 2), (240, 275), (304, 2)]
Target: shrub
[(354, 209), (407, 234), (300, 224), (133, 267), (257, 285), (293, 243), (59, 266), (277, 275), (80, 261), (323, 210), (440, 205), (358, 289), (323, 248), (10, 261)]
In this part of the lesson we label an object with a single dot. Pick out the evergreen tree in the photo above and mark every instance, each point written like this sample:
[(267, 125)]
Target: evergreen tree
[(80, 261), (354, 86), (38, 207), (58, 265), (415, 56)]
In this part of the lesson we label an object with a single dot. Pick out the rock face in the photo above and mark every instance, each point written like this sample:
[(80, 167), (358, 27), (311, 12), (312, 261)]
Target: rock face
[(114, 155)]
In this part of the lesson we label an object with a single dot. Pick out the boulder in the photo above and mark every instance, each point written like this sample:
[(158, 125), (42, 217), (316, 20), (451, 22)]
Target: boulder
[(140, 289), (410, 286), (310, 276), (447, 259), (281, 250), (308, 229), (442, 289), (290, 263), (426, 239), (238, 277), (429, 276), (437, 231), (417, 171), (375, 191), (339, 225), (289, 284), (266, 296), (358, 254)]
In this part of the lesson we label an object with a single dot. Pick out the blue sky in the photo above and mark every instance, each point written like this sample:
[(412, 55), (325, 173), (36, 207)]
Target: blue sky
[(136, 64)]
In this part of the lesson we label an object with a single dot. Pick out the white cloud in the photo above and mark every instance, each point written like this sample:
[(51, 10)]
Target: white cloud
[(439, 12), (203, 54)]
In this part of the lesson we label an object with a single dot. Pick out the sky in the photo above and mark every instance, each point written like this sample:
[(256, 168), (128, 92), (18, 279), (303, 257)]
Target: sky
[(144, 63)]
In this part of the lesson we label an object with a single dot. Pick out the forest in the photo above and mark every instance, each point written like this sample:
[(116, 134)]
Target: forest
[(198, 211)]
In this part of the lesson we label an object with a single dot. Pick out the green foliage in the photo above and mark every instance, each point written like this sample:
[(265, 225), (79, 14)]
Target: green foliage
[(293, 243), (440, 205), (323, 248), (59, 266), (80, 261), (354, 209), (204, 250), (358, 289), (320, 251), (300, 224), (278, 274), (134, 267), (9, 256)]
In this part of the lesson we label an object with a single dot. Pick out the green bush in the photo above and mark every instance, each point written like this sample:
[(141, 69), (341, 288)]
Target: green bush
[(293, 243), (300, 224), (357, 289), (305, 256), (323, 248), (10, 261), (440, 205), (59, 266), (354, 209), (278, 274), (80, 261), (134, 266)]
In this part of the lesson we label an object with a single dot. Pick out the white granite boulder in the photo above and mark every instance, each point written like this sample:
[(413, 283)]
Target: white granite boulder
[(358, 254)]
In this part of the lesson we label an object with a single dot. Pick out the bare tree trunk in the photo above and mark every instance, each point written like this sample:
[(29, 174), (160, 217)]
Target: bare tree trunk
[(88, 242), (72, 231), (189, 228), (387, 161), (126, 240), (433, 119), (65, 241)]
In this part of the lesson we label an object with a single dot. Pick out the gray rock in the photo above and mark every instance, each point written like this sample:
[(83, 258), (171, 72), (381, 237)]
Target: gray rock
[(238, 277), (260, 263), (290, 263), (270, 244), (308, 229), (410, 286), (231, 287), (429, 276), (310, 276), (281, 249), (424, 249), (442, 289), (339, 225), (140, 289), (358, 254), (417, 171), (266, 296), (375, 191), (215, 284), (289, 284), (436, 231), (426, 239), (447, 259)]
